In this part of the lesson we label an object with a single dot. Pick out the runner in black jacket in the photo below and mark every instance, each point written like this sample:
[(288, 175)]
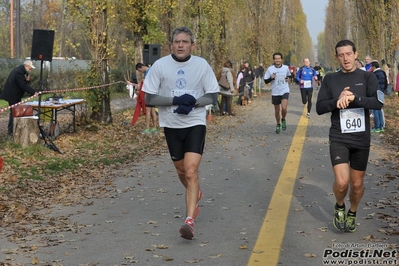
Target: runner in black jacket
[(348, 94)]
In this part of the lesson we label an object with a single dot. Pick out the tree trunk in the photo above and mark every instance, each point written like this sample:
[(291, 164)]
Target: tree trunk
[(26, 131)]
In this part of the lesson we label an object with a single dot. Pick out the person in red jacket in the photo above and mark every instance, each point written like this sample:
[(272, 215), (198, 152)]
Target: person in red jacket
[(16, 86)]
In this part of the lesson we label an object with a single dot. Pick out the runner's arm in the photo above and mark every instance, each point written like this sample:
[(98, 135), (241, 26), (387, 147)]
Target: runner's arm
[(206, 99), (157, 100), (324, 102), (267, 81)]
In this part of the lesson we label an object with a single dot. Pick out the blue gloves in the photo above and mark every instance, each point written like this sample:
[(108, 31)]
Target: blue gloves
[(183, 109), (186, 103), (185, 99)]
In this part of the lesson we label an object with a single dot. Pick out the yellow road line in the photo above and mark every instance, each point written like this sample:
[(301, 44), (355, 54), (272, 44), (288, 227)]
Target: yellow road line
[(268, 245)]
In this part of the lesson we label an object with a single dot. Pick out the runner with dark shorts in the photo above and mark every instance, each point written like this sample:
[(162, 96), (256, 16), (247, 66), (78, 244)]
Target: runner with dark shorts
[(279, 74), (181, 85), (348, 95)]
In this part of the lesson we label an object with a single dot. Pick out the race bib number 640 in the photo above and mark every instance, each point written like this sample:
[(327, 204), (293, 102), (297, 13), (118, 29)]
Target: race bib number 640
[(352, 120)]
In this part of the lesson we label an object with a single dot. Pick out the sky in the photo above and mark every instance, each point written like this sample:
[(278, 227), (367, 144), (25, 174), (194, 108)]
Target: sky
[(315, 16)]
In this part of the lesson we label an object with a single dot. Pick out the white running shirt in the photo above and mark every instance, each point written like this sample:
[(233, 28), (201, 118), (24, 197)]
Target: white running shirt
[(170, 78), (279, 84)]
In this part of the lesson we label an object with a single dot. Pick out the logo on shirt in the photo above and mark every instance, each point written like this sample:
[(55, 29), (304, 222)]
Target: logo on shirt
[(181, 83)]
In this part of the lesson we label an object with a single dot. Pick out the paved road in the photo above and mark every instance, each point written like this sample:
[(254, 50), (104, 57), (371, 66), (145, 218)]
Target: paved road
[(267, 201)]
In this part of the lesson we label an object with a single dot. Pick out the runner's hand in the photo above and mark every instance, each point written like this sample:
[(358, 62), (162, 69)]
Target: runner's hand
[(346, 92), (344, 101), (185, 99), (183, 109)]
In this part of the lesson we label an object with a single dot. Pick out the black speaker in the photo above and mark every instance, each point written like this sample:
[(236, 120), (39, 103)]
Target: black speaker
[(151, 53), (42, 45)]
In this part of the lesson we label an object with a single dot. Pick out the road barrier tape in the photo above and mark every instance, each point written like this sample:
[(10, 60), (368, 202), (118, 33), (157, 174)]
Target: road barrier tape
[(57, 91)]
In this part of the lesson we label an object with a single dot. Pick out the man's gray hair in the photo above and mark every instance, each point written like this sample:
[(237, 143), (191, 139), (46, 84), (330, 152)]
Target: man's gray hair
[(183, 29)]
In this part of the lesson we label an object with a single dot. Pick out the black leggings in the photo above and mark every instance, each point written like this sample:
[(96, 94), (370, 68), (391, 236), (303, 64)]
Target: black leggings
[(307, 97)]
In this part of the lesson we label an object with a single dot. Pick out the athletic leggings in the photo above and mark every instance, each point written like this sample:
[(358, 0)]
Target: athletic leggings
[(307, 97)]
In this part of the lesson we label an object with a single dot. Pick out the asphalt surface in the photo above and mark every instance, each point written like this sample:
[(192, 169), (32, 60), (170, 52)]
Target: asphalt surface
[(137, 222)]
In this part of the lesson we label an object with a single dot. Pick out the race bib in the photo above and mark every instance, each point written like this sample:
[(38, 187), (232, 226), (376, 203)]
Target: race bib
[(307, 84), (176, 92), (280, 81), (352, 120)]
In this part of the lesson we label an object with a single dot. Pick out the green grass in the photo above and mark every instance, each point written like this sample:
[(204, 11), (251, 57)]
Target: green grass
[(3, 104)]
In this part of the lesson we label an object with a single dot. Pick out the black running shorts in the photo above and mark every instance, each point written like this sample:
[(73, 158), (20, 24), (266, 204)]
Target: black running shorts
[(182, 140), (347, 153), (276, 100)]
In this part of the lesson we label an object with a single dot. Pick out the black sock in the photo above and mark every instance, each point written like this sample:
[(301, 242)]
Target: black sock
[(282, 119), (340, 206), (351, 213)]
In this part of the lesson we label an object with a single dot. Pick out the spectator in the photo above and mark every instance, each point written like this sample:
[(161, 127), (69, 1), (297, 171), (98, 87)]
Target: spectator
[(150, 112), (249, 77), (397, 83), (261, 72), (227, 95), (382, 85), (368, 60), (240, 83), (320, 73), (17, 84), (293, 72), (359, 64), (389, 73)]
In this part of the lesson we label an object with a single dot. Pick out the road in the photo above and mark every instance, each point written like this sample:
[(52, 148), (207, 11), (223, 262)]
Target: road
[(267, 201)]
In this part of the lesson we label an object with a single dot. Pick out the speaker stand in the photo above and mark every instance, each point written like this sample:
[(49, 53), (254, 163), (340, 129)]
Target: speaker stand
[(48, 142)]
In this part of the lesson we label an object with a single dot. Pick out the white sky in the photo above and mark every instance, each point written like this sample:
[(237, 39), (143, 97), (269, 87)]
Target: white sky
[(315, 16)]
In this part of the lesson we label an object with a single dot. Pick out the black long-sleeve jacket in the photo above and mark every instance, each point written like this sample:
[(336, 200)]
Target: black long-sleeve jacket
[(16, 85), (364, 86)]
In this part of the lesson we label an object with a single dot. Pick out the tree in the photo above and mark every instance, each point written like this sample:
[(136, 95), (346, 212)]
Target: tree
[(94, 15)]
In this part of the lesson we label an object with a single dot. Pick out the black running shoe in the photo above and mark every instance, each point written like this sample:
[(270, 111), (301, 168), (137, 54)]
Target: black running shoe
[(339, 220)]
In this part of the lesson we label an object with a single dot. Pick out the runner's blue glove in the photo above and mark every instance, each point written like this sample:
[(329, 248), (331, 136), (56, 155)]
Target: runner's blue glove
[(185, 99), (183, 109)]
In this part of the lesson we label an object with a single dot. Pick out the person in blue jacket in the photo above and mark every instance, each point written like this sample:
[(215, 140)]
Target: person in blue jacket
[(305, 77)]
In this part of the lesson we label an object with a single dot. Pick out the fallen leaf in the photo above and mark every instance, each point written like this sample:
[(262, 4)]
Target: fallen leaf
[(310, 255)]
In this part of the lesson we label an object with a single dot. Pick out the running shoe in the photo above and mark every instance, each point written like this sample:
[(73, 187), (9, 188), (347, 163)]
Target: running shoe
[(146, 131), (308, 115), (350, 223), (278, 128), (382, 130), (375, 130), (154, 130), (196, 206), (283, 124), (339, 220), (187, 229)]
